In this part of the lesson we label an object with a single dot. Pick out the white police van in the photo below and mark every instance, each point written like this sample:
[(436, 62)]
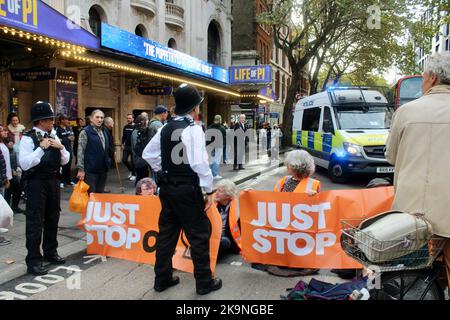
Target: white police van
[(345, 129)]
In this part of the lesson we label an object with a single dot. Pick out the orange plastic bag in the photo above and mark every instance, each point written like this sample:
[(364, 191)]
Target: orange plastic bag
[(79, 198)]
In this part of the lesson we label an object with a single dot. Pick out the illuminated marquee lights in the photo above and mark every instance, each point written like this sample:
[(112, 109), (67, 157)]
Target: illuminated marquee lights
[(131, 69), (43, 40)]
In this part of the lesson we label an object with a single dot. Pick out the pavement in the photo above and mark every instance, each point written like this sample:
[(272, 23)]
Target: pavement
[(72, 240)]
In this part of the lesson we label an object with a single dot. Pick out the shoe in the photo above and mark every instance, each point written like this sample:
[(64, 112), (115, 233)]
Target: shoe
[(215, 284), (61, 185), (3, 230), (217, 177), (107, 191), (241, 167), (132, 178), (173, 282), (130, 175), (72, 183), (235, 168), (4, 242), (56, 259), (37, 270), (17, 210)]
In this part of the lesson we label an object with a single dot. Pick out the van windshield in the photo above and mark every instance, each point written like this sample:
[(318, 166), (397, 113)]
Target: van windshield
[(378, 117)]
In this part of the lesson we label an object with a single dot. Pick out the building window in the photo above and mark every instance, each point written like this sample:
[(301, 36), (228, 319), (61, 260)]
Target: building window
[(141, 31), (447, 45), (172, 44), (214, 44), (95, 21)]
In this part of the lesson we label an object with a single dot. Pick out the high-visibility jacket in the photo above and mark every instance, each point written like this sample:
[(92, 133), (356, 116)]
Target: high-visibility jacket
[(305, 186), (233, 223)]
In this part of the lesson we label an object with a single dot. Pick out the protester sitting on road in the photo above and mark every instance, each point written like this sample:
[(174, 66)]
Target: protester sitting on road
[(300, 166), (146, 187), (225, 193)]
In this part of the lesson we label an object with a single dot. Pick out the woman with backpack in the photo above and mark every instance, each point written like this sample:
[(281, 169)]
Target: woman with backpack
[(139, 140)]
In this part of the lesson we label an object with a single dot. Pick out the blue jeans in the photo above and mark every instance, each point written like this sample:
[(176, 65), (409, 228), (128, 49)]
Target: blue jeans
[(216, 158)]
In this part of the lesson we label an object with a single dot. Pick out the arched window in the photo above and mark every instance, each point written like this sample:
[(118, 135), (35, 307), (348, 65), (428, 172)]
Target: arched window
[(214, 44), (141, 31), (172, 44), (96, 16)]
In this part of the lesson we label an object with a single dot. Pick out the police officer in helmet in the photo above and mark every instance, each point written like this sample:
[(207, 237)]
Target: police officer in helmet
[(41, 156), (178, 155)]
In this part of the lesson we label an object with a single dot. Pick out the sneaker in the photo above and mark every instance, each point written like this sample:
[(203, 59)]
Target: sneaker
[(130, 175), (132, 178), (4, 242), (3, 230), (217, 177), (72, 183), (61, 185)]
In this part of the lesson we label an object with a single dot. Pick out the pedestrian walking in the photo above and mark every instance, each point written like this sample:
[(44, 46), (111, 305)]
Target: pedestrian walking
[(66, 136), (181, 180), (95, 153), (240, 142), (218, 145), (41, 156), (81, 123), (139, 140), (127, 152), (13, 193)]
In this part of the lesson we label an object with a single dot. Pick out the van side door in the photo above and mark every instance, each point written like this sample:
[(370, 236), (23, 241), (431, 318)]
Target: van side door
[(328, 132), (310, 130)]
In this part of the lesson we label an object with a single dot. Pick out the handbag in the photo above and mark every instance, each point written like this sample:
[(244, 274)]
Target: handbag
[(79, 198), (6, 214)]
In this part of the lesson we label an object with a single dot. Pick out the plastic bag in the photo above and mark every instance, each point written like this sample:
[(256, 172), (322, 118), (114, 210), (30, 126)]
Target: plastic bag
[(79, 198), (6, 214)]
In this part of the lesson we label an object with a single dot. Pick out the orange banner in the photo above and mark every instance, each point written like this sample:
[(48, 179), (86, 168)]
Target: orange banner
[(126, 226), (299, 231)]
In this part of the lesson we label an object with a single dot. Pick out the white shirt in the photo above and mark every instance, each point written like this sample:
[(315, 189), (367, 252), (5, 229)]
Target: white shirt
[(29, 158), (193, 138), (5, 152)]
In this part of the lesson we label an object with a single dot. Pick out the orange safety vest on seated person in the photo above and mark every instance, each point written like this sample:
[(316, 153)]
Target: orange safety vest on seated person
[(305, 186), (233, 223)]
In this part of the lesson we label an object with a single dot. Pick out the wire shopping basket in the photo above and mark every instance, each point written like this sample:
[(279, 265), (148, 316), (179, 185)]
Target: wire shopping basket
[(386, 256)]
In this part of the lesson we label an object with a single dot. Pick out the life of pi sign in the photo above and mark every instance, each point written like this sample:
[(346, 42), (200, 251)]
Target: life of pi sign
[(302, 229)]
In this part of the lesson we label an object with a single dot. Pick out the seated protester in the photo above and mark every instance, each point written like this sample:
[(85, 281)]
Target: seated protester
[(300, 166), (230, 237), (146, 187)]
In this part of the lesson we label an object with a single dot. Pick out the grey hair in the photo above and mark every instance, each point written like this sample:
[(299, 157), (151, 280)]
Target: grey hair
[(108, 121), (301, 162), (93, 113), (439, 65), (228, 186)]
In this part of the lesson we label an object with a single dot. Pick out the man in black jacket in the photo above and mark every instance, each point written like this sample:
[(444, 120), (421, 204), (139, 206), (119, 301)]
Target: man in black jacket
[(240, 141), (127, 151)]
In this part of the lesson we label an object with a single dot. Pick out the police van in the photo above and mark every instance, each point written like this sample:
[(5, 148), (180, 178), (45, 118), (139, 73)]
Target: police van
[(345, 129)]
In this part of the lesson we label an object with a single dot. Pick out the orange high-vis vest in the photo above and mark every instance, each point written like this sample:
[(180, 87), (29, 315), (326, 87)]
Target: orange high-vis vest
[(305, 186), (234, 225)]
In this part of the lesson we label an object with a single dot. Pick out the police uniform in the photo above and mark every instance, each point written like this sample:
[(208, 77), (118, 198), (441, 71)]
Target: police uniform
[(41, 169), (181, 180)]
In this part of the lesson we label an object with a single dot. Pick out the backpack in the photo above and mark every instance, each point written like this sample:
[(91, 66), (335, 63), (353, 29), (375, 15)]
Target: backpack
[(142, 140)]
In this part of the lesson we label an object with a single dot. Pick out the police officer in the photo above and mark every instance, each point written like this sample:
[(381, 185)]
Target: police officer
[(41, 156), (177, 153)]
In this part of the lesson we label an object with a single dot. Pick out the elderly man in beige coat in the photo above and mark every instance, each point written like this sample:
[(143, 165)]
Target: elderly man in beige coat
[(419, 147)]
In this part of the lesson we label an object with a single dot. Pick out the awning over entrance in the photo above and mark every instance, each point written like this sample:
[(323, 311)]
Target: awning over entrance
[(33, 19)]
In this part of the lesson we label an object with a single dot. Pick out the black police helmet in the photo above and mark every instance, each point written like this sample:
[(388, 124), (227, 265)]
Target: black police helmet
[(41, 110), (187, 98)]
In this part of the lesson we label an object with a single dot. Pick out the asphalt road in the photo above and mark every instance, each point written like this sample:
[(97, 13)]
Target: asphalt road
[(91, 278)]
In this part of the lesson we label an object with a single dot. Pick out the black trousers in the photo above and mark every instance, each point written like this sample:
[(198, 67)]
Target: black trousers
[(183, 208), (96, 182), (128, 153), (65, 174), (141, 173), (12, 195), (42, 218)]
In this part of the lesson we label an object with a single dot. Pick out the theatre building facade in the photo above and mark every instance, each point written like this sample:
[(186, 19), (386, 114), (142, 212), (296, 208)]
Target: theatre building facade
[(119, 56)]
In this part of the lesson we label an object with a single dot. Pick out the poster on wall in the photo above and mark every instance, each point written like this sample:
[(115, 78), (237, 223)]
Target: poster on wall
[(67, 94)]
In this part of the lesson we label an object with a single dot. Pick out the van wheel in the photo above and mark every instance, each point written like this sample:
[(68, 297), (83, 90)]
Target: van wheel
[(336, 172)]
